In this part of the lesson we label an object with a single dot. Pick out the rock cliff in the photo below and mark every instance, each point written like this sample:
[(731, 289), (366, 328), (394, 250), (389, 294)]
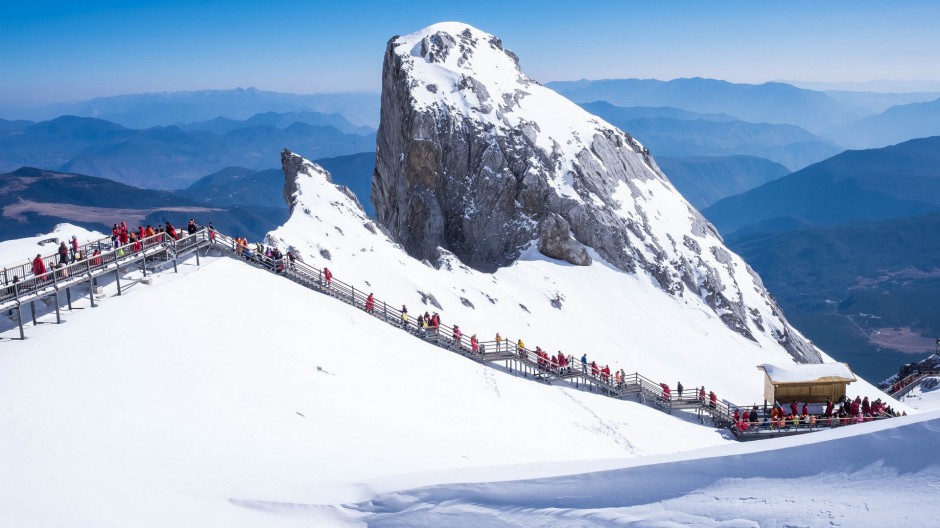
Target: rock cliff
[(476, 158)]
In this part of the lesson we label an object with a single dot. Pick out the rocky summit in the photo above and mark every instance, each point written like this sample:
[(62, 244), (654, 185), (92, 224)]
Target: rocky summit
[(476, 158)]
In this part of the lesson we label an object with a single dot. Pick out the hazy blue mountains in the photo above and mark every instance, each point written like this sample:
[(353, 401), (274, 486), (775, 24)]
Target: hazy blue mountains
[(34, 200), (164, 109), (241, 186), (755, 103), (704, 181), (166, 157), (849, 248), (674, 132), (894, 125), (857, 185)]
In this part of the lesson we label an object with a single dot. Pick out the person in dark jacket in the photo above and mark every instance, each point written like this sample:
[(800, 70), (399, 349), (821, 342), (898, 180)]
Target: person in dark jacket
[(63, 254)]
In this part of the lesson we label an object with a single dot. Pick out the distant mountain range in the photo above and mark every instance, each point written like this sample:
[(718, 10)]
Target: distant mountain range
[(757, 103), (35, 200), (240, 186), (704, 181), (849, 248), (169, 108), (894, 125), (865, 292), (675, 132), (168, 157), (857, 185)]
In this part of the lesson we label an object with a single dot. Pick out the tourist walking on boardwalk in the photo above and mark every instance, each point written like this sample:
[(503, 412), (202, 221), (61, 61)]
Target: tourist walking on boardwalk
[(679, 389), (39, 267), (74, 247)]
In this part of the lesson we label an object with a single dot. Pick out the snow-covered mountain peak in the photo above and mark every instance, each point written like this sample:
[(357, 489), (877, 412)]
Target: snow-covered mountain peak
[(456, 66), (476, 158)]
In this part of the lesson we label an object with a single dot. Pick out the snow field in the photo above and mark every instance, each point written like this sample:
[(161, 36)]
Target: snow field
[(622, 320), (180, 402)]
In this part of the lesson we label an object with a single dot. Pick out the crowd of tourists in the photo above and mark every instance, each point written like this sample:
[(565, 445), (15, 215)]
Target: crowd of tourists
[(843, 412), (123, 240)]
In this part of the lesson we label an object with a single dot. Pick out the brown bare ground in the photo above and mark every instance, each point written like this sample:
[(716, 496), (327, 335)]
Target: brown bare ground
[(80, 213), (902, 340)]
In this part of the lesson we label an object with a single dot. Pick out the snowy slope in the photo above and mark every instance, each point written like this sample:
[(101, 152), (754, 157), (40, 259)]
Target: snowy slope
[(25, 249), (475, 157), (878, 474), (616, 318), (187, 402)]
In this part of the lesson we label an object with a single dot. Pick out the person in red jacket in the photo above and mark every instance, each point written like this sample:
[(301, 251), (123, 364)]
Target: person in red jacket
[(828, 408), (805, 410), (474, 344), (794, 408), (712, 399), (170, 230), (39, 267), (327, 277), (370, 304)]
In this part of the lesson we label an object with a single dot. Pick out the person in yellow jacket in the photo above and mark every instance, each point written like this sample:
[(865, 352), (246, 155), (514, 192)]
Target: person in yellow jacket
[(499, 341)]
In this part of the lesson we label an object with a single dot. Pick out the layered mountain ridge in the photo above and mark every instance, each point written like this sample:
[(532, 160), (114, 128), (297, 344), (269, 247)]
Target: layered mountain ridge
[(476, 158)]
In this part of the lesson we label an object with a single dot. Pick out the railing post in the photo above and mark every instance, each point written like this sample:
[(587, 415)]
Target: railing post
[(55, 292), (68, 296), (384, 311), (91, 283), (352, 298), (32, 308), (19, 309), (117, 278)]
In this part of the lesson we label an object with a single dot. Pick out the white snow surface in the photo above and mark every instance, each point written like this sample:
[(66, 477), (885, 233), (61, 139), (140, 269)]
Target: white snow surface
[(23, 250), (618, 319), (923, 398), (228, 396), (183, 402), (807, 372)]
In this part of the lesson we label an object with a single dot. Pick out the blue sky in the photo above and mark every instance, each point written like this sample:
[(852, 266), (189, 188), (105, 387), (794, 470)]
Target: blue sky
[(67, 51)]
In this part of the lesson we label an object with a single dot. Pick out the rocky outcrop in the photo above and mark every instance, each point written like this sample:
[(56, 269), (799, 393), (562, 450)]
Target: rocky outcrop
[(476, 158), (555, 241)]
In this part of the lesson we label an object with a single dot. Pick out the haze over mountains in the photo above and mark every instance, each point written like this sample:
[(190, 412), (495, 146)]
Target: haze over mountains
[(170, 157), (713, 139)]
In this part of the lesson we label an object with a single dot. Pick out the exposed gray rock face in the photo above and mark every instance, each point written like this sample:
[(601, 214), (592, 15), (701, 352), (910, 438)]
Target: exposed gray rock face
[(555, 241), (476, 158)]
